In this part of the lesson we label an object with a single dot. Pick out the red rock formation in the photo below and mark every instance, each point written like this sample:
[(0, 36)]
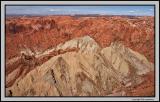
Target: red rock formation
[(146, 88), (44, 32), (96, 70)]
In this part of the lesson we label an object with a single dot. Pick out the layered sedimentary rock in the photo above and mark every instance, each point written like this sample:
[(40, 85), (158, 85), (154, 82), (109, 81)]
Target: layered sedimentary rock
[(89, 70), (41, 33)]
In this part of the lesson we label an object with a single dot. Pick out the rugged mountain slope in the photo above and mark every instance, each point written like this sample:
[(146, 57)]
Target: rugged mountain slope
[(41, 33), (89, 71)]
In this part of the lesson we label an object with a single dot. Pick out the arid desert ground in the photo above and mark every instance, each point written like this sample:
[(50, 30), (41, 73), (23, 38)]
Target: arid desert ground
[(91, 55)]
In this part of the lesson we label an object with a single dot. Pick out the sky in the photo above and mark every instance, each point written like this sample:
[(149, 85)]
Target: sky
[(61, 10)]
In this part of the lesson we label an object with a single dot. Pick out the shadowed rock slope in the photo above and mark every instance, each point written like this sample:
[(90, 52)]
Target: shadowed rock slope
[(88, 71)]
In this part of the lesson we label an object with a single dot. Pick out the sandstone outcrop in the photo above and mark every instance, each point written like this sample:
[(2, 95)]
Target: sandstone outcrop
[(80, 56), (41, 33), (95, 71)]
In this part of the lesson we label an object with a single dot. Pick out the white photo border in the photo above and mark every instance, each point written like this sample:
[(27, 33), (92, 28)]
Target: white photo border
[(113, 98)]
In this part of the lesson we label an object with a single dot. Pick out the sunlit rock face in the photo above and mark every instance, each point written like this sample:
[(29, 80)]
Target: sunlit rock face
[(41, 33), (80, 56), (89, 71)]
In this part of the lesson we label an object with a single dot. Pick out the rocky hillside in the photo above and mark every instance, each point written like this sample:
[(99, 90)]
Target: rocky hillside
[(80, 67), (42, 33)]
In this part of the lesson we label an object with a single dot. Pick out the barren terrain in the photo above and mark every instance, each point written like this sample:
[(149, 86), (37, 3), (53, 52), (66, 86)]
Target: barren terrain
[(80, 56)]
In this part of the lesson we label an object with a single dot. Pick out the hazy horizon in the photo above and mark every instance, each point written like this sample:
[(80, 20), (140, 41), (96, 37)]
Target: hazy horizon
[(80, 10)]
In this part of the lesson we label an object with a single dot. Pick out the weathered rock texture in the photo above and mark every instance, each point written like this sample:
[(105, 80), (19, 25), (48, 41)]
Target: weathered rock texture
[(80, 56), (41, 33), (89, 71)]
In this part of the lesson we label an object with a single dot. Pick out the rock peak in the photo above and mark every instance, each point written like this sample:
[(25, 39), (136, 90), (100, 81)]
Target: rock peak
[(85, 45)]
